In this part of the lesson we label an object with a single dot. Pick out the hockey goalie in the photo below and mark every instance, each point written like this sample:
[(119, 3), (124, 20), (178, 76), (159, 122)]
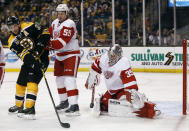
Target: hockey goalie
[(122, 97)]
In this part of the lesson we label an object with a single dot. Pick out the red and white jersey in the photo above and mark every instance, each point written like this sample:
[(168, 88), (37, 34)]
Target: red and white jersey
[(118, 76), (2, 56), (64, 39)]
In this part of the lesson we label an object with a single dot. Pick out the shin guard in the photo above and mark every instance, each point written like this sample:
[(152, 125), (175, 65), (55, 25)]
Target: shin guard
[(32, 90)]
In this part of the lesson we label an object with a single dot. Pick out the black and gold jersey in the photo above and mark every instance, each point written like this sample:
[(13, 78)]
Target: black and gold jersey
[(33, 38)]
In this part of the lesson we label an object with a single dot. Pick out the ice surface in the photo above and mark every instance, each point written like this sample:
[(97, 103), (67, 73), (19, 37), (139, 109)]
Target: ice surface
[(164, 89)]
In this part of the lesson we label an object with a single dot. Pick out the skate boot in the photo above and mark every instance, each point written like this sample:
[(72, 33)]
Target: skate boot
[(73, 110), (62, 106), (28, 113), (15, 109)]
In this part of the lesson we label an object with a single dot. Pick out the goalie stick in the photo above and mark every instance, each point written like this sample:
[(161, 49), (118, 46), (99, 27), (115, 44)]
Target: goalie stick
[(65, 125), (92, 98)]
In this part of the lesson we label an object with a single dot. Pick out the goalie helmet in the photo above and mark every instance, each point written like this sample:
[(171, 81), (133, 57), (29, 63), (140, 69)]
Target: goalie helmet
[(62, 7), (114, 54), (13, 20)]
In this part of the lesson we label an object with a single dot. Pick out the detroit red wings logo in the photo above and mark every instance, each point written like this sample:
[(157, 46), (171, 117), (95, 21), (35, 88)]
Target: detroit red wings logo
[(108, 74), (56, 34)]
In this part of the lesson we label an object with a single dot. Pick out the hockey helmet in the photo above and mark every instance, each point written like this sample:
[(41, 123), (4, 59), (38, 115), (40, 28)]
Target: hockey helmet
[(13, 20), (115, 53), (62, 7)]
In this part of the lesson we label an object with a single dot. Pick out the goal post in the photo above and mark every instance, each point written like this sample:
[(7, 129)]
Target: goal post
[(185, 43)]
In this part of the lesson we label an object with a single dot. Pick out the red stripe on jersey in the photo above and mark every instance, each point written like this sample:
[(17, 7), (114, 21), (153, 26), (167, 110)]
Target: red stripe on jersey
[(2, 64), (127, 76), (67, 33), (96, 68), (115, 91), (61, 90), (50, 31), (56, 44), (133, 87), (2, 73), (72, 92), (68, 53)]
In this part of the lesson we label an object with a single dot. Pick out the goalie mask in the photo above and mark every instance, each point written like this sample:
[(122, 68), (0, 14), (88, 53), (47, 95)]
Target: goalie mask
[(114, 54)]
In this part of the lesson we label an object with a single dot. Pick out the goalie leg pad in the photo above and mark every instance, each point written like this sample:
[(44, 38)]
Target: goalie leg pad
[(120, 108), (96, 110)]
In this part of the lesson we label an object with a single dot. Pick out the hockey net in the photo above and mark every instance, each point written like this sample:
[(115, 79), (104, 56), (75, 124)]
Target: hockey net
[(185, 72)]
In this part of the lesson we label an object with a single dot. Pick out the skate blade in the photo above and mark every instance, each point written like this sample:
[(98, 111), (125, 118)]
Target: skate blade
[(76, 113), (20, 115), (26, 117), (29, 117), (13, 113), (62, 110)]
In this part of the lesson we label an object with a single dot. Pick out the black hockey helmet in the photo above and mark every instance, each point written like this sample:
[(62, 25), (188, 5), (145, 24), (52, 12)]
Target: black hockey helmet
[(13, 20), (115, 53)]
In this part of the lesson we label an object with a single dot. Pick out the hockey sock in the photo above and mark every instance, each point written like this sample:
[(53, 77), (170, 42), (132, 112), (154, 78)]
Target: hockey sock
[(32, 90), (20, 93)]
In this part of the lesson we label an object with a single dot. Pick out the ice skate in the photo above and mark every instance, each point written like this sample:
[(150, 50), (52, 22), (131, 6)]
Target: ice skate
[(62, 106), (14, 109), (73, 110), (28, 113)]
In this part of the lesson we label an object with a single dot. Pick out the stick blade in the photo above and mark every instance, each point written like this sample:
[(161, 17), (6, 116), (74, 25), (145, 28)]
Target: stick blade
[(65, 125), (91, 105)]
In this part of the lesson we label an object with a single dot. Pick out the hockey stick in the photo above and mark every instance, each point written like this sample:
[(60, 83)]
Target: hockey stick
[(92, 98), (65, 125)]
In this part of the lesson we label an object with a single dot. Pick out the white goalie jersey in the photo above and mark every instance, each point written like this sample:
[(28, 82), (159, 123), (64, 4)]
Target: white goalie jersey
[(117, 76)]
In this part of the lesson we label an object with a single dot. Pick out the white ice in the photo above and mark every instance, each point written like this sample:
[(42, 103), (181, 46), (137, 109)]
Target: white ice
[(162, 88)]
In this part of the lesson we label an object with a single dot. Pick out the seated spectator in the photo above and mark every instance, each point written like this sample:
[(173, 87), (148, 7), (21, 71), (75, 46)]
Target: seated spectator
[(4, 35)]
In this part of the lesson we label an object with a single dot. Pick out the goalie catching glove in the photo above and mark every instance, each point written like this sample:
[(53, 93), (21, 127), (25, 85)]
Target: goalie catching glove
[(93, 79)]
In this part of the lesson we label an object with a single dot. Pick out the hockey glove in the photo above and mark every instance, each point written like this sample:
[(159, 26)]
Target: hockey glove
[(93, 79), (137, 99)]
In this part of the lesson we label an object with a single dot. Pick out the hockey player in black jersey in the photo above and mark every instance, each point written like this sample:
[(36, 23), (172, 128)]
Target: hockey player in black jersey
[(28, 42)]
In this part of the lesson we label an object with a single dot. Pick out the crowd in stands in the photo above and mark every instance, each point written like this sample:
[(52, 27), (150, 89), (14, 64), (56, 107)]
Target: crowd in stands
[(97, 20)]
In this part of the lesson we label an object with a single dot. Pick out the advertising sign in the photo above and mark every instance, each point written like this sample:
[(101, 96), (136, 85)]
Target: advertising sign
[(179, 3)]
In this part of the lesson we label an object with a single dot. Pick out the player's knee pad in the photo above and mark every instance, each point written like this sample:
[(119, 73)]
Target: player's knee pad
[(60, 81), (20, 90), (70, 83), (32, 90), (20, 93)]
